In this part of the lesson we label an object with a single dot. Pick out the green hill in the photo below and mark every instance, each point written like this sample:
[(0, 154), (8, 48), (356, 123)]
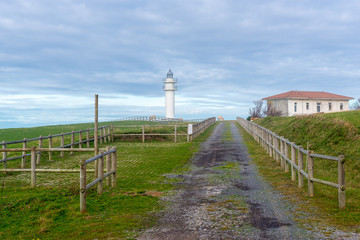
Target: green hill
[(331, 134)]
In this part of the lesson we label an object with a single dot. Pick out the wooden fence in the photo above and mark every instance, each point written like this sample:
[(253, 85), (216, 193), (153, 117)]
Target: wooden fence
[(104, 136), (144, 133), (193, 130), (111, 162), (196, 129), (159, 119), (278, 148)]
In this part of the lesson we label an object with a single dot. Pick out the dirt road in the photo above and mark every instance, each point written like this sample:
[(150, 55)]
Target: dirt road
[(223, 197)]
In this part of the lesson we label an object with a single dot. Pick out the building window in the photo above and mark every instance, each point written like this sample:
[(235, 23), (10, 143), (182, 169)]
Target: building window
[(318, 107), (295, 107), (307, 106), (330, 106), (341, 106)]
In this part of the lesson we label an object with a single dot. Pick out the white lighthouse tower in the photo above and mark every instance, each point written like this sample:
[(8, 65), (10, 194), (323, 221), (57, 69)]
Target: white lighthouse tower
[(169, 88)]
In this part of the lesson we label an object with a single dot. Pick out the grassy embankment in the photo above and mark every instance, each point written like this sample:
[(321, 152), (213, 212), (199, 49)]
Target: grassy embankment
[(330, 134), (51, 210)]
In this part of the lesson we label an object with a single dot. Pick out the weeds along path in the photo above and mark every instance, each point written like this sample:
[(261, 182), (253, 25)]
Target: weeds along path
[(223, 197)]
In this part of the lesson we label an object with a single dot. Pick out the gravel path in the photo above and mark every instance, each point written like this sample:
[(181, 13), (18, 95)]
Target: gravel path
[(223, 197)]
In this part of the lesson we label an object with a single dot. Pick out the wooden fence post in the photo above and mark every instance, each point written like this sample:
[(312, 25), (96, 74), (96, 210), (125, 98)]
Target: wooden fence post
[(4, 155), (271, 145), (175, 133), (112, 133), (108, 133), (286, 147), (113, 168), (300, 167), (50, 146), (311, 174), (341, 181), (293, 161), (72, 141), (80, 139), (62, 139), (87, 138), (104, 134), (108, 166), (282, 152), (23, 160), (143, 133), (33, 166), (82, 186), (277, 146), (39, 153), (100, 186), (101, 135)]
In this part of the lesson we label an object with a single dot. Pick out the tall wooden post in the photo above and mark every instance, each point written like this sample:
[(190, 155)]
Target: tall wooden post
[(341, 181), (96, 126), (96, 146)]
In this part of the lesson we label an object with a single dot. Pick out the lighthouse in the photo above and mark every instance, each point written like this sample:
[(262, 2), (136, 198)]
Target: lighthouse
[(169, 88)]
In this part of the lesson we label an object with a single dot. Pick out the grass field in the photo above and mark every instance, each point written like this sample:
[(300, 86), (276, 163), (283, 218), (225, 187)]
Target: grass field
[(51, 210), (330, 134)]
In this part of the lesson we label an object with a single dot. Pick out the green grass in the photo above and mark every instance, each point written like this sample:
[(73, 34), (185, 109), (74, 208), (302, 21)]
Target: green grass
[(330, 134), (51, 210)]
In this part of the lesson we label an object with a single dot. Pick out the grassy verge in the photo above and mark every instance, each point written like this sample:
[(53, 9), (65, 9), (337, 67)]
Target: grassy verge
[(51, 210), (322, 208)]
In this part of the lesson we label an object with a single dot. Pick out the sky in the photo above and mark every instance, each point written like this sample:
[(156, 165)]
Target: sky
[(56, 55)]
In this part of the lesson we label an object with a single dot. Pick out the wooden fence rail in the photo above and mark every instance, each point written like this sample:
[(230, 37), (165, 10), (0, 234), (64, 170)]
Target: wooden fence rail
[(105, 135), (278, 148), (196, 129), (193, 130), (143, 129), (111, 162)]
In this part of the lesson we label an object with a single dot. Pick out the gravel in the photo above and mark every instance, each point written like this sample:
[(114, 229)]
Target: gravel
[(224, 197)]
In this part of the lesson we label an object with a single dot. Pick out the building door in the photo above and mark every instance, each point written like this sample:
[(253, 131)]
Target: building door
[(318, 107)]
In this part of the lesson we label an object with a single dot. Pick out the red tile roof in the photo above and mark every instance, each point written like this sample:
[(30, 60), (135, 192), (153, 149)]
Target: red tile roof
[(307, 95)]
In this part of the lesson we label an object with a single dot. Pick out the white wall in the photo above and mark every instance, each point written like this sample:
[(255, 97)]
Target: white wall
[(324, 106)]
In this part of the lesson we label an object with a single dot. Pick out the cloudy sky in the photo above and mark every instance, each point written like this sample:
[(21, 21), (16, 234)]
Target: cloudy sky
[(55, 55)]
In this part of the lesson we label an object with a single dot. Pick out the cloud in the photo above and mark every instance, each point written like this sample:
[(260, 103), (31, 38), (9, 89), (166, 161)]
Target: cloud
[(225, 54)]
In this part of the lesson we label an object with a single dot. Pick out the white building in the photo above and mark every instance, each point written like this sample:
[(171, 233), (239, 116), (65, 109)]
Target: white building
[(304, 102), (170, 88)]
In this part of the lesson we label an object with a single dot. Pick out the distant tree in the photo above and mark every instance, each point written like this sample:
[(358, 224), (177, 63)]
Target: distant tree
[(257, 110), (270, 110), (356, 105), (248, 118)]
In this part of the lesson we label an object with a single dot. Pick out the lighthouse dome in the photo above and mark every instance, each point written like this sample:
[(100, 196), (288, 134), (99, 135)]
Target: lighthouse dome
[(169, 74)]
